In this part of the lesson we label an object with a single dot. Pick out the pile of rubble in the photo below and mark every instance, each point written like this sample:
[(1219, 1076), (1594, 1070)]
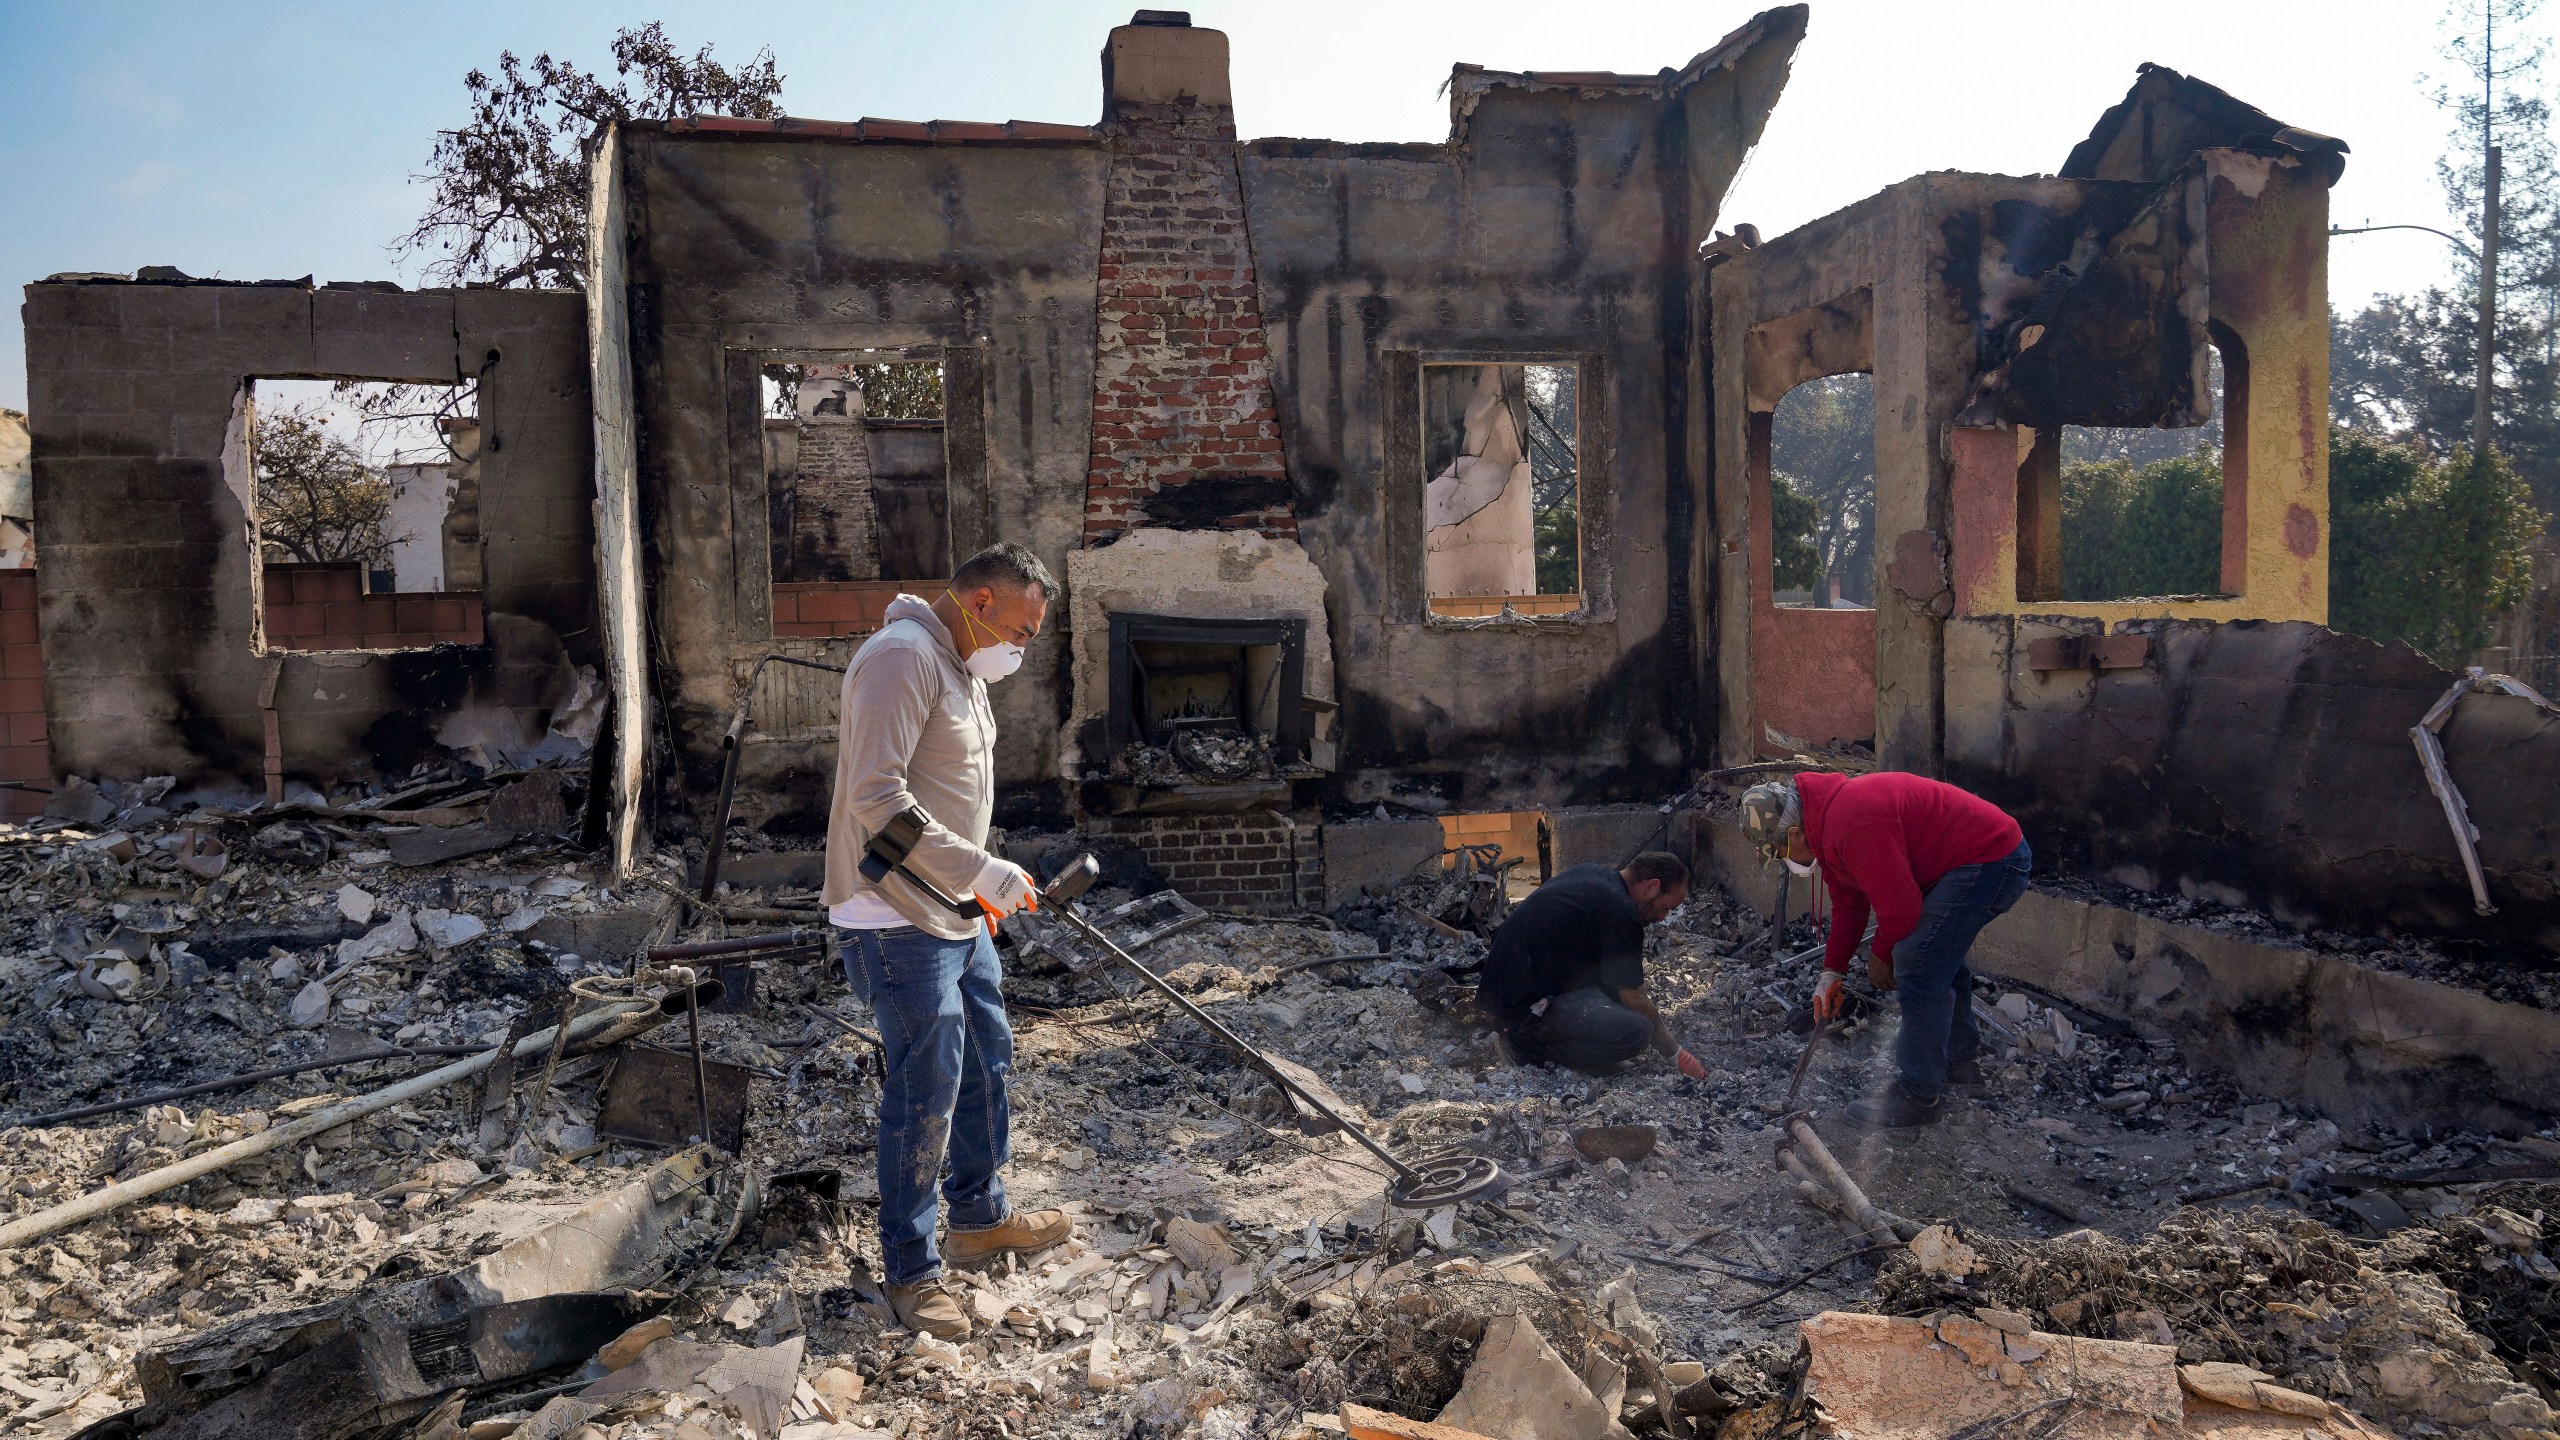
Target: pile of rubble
[(1232, 1275)]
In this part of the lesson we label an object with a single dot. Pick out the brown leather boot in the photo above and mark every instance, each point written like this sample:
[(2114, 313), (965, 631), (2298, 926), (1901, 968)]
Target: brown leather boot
[(1021, 1232), (926, 1306)]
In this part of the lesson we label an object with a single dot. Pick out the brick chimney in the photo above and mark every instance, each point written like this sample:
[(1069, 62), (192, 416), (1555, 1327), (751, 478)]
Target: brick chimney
[(1182, 376)]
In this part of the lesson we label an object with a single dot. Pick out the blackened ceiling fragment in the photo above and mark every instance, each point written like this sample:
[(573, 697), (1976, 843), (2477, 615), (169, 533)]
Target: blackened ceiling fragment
[(2167, 117)]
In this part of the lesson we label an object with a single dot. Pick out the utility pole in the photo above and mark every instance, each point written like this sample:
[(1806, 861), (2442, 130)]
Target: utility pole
[(2488, 227)]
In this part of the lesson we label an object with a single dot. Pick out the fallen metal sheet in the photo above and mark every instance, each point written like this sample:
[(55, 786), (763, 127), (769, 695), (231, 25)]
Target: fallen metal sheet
[(390, 1353), (649, 1099)]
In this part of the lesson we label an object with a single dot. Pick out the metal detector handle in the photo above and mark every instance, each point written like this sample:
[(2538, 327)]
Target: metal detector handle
[(888, 849)]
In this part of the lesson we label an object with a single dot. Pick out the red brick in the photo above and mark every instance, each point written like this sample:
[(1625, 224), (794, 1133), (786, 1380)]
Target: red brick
[(786, 608), (17, 590), (25, 762), (413, 613), (445, 614), (21, 662), (388, 640), (17, 627), (21, 696), (829, 605), (26, 729), (292, 622)]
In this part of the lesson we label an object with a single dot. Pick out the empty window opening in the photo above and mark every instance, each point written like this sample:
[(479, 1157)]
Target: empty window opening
[(2130, 513), (1503, 505), (1510, 844), (857, 489), (1822, 494), (364, 498)]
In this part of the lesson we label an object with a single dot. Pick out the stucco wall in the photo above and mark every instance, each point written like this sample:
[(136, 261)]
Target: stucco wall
[(982, 254), (1558, 223)]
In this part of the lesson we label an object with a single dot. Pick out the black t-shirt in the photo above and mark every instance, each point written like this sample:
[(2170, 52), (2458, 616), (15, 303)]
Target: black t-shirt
[(1580, 928)]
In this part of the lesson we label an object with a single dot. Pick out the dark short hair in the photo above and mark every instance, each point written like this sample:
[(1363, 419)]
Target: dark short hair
[(1659, 865), (1003, 566)]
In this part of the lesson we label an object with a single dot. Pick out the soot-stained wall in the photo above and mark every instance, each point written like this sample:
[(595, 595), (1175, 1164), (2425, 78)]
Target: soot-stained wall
[(146, 568), (754, 244), (2264, 764), (1560, 222)]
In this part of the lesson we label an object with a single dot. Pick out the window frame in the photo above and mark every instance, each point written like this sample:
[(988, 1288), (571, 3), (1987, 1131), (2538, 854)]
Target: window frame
[(1406, 483)]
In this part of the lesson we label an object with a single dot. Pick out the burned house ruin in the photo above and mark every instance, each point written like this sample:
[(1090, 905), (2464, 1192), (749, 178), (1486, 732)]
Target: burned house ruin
[(1405, 493)]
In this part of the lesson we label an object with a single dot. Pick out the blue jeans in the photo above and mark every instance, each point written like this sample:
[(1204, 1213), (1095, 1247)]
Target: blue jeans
[(1929, 972), (940, 1004)]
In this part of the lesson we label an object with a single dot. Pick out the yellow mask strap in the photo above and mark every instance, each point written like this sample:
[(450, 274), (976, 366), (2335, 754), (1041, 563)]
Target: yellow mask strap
[(992, 637)]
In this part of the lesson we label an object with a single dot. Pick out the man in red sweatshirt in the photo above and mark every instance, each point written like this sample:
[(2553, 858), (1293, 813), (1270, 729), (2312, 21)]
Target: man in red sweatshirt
[(1935, 865)]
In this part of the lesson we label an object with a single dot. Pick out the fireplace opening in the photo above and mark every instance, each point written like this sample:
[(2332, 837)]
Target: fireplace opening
[(1206, 702)]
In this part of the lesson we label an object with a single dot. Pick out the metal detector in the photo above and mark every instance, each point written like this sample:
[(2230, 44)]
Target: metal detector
[(1436, 1180)]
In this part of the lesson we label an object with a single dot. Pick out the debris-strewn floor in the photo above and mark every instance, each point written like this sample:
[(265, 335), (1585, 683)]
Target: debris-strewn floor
[(1232, 1277)]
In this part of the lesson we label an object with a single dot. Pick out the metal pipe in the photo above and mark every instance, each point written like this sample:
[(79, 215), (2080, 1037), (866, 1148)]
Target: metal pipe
[(781, 940), (701, 1082), (235, 1082), (1810, 1148), (195, 1167)]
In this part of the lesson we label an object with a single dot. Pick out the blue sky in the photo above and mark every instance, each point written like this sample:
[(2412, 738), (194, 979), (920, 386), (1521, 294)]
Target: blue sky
[(253, 140)]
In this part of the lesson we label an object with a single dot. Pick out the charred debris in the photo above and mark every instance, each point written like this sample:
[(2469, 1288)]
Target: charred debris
[(415, 1019)]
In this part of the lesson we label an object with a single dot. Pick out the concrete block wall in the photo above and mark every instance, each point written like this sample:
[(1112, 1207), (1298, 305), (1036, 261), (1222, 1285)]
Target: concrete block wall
[(825, 609), (1182, 372), (22, 736), (325, 607), (1255, 861), (145, 579)]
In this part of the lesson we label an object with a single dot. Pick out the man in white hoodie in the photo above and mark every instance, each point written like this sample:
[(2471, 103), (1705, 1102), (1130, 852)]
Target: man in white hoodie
[(917, 735)]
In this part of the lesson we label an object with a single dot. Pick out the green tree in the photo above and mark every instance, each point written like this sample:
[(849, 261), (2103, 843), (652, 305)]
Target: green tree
[(2424, 550), (509, 186), (1795, 562), (1822, 438), (316, 499), (2147, 532)]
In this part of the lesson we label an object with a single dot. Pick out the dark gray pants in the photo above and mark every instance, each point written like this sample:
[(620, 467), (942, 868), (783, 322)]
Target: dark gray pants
[(1583, 1030)]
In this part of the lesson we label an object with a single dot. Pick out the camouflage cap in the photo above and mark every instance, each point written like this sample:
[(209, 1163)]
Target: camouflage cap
[(1769, 811)]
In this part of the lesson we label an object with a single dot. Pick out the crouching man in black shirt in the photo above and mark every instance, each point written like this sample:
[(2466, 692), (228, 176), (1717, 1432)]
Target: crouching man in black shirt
[(1565, 978)]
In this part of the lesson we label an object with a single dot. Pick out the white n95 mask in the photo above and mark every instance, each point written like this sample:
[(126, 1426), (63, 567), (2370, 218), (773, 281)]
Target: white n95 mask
[(1798, 869), (993, 661)]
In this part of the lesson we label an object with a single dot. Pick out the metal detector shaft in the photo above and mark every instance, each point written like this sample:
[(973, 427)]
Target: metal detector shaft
[(1067, 911)]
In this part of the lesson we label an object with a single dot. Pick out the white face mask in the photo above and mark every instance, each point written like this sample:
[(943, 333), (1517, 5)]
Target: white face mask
[(1798, 869), (995, 657), (994, 661)]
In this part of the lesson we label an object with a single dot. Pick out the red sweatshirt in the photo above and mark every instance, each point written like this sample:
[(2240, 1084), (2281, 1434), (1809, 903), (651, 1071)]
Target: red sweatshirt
[(1883, 840)]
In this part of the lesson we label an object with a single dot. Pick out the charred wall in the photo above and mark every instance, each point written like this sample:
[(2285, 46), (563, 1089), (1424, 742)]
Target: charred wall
[(1560, 221), (144, 561), (755, 243), (2268, 765)]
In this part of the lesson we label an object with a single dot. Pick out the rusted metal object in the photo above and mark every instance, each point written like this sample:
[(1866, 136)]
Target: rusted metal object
[(650, 1098)]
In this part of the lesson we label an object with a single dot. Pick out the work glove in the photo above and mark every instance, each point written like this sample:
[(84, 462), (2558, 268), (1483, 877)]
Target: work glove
[(1880, 970), (1004, 887), (1827, 995), (1690, 1065)]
